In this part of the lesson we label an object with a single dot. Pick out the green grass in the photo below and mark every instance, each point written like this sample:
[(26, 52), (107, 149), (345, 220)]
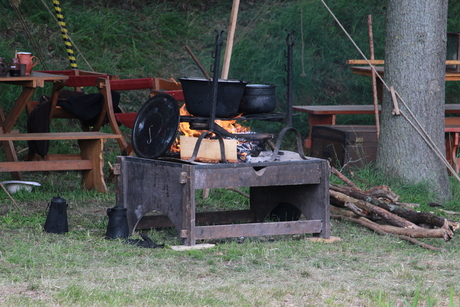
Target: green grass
[(84, 269)]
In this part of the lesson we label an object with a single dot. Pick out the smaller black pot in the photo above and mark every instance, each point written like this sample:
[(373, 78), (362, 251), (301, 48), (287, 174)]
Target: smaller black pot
[(258, 98)]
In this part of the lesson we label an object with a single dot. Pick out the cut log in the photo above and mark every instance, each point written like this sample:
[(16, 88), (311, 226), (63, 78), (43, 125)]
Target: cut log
[(209, 151), (411, 215), (388, 217), (382, 191), (381, 232), (444, 233), (343, 212)]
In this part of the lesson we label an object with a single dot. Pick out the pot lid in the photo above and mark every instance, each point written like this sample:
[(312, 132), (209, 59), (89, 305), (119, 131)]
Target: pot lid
[(156, 126)]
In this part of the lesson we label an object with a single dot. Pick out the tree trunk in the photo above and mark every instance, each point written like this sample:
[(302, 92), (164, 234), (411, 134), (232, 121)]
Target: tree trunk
[(415, 55)]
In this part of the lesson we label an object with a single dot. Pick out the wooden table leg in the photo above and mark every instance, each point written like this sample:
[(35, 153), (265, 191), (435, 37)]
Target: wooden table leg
[(452, 143), (19, 106), (8, 147), (94, 178), (313, 120), (187, 232)]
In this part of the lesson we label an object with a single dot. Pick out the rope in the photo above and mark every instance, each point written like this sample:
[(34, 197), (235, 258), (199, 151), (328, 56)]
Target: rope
[(303, 74), (419, 128), (65, 37), (70, 39)]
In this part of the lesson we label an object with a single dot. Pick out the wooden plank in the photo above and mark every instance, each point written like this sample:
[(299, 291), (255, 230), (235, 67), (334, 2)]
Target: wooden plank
[(381, 62), (335, 109), (57, 136), (356, 109), (58, 157), (451, 121), (202, 218), (255, 175), (258, 229), (364, 62), (35, 166)]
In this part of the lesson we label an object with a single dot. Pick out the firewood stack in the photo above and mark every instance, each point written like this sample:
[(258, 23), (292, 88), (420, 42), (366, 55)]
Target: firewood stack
[(379, 210)]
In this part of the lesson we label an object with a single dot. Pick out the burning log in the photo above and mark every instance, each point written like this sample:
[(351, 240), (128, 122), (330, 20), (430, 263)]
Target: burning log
[(379, 210)]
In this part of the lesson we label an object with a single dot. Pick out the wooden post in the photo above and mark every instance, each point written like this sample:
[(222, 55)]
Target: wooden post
[(230, 37), (374, 79)]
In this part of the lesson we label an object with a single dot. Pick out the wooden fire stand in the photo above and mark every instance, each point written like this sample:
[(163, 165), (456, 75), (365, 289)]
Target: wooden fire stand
[(144, 185)]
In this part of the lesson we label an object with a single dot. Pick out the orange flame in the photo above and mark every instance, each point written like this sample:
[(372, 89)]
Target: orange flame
[(184, 129)]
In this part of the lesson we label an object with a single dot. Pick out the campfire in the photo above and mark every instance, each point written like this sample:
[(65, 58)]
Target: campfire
[(243, 148)]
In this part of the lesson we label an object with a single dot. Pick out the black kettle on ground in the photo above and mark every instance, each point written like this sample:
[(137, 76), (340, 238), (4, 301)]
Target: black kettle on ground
[(118, 223), (56, 221)]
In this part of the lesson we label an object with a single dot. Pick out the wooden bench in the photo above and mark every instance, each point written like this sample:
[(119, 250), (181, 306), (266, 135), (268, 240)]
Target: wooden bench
[(326, 115), (89, 161)]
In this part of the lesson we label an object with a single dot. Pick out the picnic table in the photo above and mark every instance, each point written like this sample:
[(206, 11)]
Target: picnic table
[(327, 114), (89, 161)]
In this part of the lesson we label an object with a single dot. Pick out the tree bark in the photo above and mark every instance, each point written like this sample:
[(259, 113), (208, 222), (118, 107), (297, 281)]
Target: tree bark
[(415, 54)]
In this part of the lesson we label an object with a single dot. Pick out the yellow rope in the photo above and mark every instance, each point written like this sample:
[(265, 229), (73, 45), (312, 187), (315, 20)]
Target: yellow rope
[(70, 39), (67, 42)]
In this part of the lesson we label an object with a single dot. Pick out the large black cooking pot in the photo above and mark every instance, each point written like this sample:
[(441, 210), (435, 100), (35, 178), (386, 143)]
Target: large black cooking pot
[(258, 98), (198, 96)]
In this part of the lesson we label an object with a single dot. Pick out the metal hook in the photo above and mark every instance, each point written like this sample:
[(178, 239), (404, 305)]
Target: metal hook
[(290, 38), (280, 139), (219, 39)]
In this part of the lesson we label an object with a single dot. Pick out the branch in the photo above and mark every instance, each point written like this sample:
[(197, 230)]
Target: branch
[(378, 229), (343, 178)]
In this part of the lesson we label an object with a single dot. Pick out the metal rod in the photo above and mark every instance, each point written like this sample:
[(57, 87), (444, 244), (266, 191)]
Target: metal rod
[(290, 39), (215, 81)]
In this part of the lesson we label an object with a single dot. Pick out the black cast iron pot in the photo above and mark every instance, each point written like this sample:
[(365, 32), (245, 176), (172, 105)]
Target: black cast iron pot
[(198, 96), (258, 98)]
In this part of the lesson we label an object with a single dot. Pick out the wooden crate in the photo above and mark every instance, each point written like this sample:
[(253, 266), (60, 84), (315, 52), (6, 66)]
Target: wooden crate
[(351, 146), (146, 185)]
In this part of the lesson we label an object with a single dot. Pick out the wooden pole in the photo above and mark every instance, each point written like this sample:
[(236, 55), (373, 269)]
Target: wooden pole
[(374, 78), (230, 38)]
